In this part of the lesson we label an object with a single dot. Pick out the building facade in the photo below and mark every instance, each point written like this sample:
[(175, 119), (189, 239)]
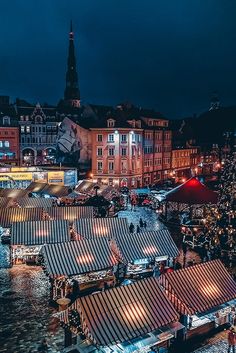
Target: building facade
[(9, 133), (185, 162)]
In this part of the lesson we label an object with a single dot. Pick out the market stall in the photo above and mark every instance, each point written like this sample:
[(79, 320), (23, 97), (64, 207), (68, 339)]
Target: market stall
[(124, 319), (79, 267), (203, 294), (10, 215), (70, 213), (101, 227), (33, 202), (27, 238), (143, 251)]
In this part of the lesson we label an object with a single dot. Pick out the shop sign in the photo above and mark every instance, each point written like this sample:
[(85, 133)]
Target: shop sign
[(15, 176), (70, 178), (56, 177), (40, 177)]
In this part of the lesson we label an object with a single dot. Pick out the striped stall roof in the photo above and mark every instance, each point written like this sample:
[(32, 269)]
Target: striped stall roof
[(31, 202), (56, 190), (146, 245), (199, 288), (78, 257), (123, 313), (36, 186), (101, 227), (14, 193), (70, 213), (10, 215), (5, 201), (40, 232)]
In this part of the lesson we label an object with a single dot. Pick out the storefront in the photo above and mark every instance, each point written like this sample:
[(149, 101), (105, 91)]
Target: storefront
[(79, 267), (124, 319), (204, 295), (27, 238), (145, 252)]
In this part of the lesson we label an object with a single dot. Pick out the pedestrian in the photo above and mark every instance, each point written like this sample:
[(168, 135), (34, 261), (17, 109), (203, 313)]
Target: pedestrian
[(138, 229), (156, 270), (141, 222), (145, 224), (131, 228), (231, 339)]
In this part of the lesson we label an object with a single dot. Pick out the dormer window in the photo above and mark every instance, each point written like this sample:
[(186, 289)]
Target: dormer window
[(110, 123), (6, 120), (150, 122)]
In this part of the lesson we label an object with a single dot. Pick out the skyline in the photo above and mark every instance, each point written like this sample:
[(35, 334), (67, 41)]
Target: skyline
[(33, 67)]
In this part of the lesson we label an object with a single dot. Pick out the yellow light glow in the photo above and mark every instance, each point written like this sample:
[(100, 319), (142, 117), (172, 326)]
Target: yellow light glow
[(85, 259), (210, 289), (150, 250), (134, 312)]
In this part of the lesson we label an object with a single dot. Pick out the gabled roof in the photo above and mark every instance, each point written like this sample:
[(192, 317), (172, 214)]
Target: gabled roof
[(200, 287), (192, 192), (123, 313)]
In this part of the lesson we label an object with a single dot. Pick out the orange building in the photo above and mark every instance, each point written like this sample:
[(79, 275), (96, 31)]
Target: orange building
[(185, 161)]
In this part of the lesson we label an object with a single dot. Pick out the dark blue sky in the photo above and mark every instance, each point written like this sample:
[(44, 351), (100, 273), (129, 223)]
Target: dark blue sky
[(164, 54)]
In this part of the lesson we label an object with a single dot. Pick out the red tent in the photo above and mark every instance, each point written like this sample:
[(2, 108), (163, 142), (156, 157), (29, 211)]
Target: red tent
[(192, 192)]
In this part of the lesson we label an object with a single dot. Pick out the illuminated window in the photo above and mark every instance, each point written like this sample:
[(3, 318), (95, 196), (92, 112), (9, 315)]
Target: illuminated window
[(133, 137), (138, 137), (6, 120), (99, 151), (22, 129), (27, 128), (99, 138), (0, 143), (110, 138), (111, 165), (6, 143)]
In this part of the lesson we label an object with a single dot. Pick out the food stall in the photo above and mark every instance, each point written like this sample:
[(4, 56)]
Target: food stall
[(122, 318), (79, 267), (27, 238), (70, 213), (142, 251), (211, 296)]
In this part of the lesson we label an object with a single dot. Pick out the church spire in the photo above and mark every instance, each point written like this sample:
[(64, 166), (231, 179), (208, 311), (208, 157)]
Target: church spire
[(71, 93)]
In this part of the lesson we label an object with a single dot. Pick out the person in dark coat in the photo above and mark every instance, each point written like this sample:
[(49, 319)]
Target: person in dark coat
[(138, 229), (131, 227), (141, 222)]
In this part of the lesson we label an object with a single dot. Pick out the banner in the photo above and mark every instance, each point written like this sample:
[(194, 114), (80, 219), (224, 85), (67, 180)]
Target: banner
[(15, 176), (56, 177)]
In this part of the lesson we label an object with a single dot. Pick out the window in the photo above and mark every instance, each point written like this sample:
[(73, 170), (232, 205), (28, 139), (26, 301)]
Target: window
[(111, 165), (99, 138), (138, 137), (124, 138), (148, 135), (158, 149), (22, 129), (148, 149), (100, 166), (157, 161), (147, 163), (0, 143), (27, 128), (99, 151), (110, 123), (111, 151), (6, 120), (133, 137), (6, 143), (110, 138), (124, 152)]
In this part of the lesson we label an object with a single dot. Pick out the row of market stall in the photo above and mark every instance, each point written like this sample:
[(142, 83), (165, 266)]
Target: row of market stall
[(153, 313)]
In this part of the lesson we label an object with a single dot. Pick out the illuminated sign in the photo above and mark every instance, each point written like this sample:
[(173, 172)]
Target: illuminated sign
[(15, 176), (56, 177)]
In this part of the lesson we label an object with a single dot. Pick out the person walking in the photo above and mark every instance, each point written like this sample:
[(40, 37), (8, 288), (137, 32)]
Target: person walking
[(156, 270), (131, 228), (138, 229), (145, 224), (141, 222), (231, 339)]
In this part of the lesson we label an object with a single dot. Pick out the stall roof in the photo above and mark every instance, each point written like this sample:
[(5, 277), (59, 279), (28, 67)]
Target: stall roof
[(78, 257), (5, 202), (56, 190), (192, 192), (101, 227), (70, 213), (85, 186), (146, 245), (36, 187), (10, 215), (14, 193), (40, 232), (31, 202), (201, 287), (123, 313)]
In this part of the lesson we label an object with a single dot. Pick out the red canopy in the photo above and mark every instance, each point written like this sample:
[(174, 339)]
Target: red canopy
[(192, 192)]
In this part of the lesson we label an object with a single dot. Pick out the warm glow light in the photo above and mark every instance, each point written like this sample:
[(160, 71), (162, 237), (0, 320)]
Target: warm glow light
[(85, 259), (100, 230), (183, 180), (134, 311), (210, 289), (150, 250)]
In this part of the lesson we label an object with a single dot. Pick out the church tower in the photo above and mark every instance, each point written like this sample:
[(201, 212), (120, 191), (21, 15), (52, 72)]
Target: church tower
[(71, 93)]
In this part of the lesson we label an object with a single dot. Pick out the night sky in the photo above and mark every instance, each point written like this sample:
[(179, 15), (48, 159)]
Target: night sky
[(164, 54)]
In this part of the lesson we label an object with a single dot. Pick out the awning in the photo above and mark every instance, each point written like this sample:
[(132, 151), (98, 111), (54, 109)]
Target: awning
[(101, 227), (78, 257), (56, 190), (85, 186), (10, 215), (200, 287), (5, 201), (14, 193), (70, 213), (31, 202), (146, 245), (120, 314), (192, 192), (40, 232), (36, 187)]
